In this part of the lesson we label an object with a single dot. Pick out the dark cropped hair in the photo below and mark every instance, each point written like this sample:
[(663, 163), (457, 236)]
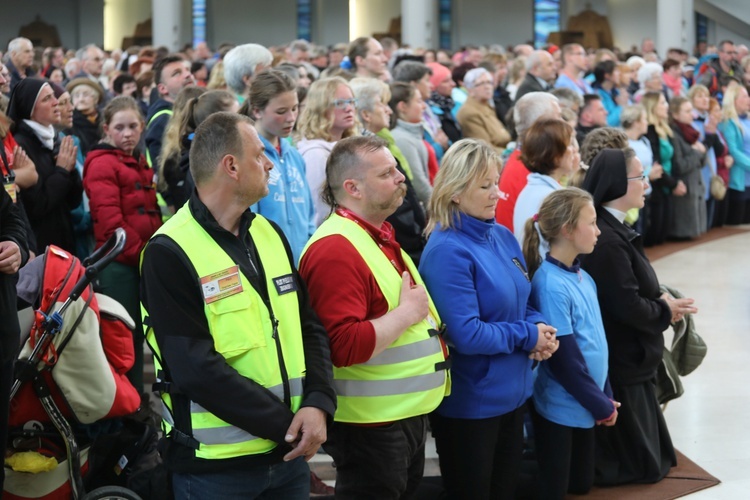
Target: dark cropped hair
[(544, 144), (358, 48), (669, 64), (400, 92), (197, 66), (587, 100), (120, 80), (459, 72), (410, 71), (602, 69), (161, 63), (217, 136), (344, 160)]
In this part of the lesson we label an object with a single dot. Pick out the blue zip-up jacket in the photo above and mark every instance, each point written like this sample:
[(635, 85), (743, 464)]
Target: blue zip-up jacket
[(614, 110), (289, 202), (738, 142), (476, 275)]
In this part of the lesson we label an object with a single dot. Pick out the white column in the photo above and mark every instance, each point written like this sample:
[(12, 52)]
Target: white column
[(419, 23), (167, 23), (674, 22)]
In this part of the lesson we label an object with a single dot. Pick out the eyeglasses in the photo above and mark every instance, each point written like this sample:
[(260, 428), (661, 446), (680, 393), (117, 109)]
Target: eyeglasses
[(343, 103), (484, 82), (641, 178)]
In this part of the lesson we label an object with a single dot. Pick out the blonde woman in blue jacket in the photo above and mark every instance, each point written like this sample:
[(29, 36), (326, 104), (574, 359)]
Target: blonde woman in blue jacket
[(477, 277), (736, 129)]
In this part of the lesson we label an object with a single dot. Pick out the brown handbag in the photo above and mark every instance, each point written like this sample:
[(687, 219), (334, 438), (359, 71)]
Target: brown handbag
[(718, 188)]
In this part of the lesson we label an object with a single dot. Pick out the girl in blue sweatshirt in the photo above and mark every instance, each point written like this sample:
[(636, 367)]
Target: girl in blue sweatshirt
[(274, 106), (571, 390)]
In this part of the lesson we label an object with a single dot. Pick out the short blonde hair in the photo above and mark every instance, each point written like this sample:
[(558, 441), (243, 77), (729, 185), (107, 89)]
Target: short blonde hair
[(697, 89), (317, 117), (464, 163)]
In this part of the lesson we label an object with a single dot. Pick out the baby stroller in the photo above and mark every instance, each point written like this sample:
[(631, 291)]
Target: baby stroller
[(69, 381)]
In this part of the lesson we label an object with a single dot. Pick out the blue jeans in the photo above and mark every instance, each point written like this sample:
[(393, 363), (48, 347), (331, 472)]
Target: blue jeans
[(287, 480)]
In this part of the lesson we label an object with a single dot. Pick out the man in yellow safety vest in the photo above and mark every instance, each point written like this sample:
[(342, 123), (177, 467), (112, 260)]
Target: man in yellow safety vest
[(390, 363), (243, 363)]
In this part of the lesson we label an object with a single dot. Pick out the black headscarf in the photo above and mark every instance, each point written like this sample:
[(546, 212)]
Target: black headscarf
[(23, 98), (57, 89), (607, 178)]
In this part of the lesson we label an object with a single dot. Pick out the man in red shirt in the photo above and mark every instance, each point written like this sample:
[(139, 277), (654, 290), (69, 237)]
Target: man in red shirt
[(529, 108), (390, 363)]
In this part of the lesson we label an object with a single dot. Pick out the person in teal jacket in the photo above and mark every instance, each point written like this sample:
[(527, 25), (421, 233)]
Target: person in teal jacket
[(607, 76), (289, 203), (736, 130)]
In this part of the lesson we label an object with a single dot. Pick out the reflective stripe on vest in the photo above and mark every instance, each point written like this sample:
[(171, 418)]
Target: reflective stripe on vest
[(241, 327), (156, 115), (231, 434), (406, 379)]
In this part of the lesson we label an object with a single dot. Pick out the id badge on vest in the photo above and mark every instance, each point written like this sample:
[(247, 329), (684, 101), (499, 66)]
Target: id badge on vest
[(221, 284)]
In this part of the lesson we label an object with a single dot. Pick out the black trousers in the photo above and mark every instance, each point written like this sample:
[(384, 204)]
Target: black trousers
[(738, 210), (565, 456), (384, 462), (480, 459), (659, 217)]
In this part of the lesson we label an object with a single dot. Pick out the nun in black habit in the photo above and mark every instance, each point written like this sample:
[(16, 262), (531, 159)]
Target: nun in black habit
[(33, 109), (638, 448)]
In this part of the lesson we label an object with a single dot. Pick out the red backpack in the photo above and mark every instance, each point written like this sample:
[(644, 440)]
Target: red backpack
[(87, 362)]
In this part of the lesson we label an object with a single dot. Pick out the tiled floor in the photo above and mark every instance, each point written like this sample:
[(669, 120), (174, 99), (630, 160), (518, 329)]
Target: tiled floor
[(709, 422)]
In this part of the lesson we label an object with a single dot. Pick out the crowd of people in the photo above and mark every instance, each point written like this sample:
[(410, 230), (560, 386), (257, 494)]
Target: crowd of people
[(356, 245)]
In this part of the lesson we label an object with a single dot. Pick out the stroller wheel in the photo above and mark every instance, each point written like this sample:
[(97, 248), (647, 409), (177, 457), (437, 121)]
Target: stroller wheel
[(111, 493)]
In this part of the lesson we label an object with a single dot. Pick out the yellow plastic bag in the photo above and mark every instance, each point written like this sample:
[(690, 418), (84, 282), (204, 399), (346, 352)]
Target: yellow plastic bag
[(30, 461)]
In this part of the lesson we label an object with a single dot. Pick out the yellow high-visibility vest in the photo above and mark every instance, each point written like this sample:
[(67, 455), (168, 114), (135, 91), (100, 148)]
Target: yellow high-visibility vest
[(410, 377), (242, 328)]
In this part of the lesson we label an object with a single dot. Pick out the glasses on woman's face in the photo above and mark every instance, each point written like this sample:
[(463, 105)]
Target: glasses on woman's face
[(641, 178), (343, 103)]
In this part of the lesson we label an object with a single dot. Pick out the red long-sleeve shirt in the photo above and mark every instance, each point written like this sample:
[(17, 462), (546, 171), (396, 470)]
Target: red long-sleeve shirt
[(343, 290), (512, 182)]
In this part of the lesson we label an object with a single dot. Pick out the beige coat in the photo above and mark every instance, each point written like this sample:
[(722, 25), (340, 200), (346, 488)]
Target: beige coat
[(479, 121)]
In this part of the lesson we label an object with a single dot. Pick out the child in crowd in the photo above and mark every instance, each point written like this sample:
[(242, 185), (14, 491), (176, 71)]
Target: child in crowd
[(571, 389), (121, 193), (274, 105)]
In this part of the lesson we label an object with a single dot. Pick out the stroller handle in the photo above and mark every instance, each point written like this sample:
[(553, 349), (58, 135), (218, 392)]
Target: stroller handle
[(99, 260)]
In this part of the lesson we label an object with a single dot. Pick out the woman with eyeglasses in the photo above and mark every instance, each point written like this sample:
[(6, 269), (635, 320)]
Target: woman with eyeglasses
[(638, 449), (328, 117), (477, 117)]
